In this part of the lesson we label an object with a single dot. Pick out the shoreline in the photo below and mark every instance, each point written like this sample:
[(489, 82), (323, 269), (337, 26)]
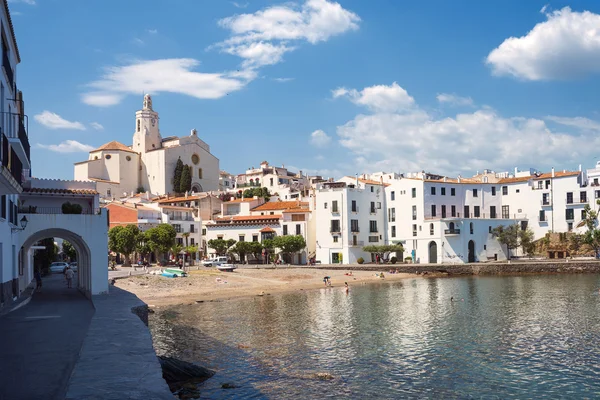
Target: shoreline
[(207, 284)]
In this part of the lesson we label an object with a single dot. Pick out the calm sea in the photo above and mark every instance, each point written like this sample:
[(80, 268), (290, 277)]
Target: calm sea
[(500, 337)]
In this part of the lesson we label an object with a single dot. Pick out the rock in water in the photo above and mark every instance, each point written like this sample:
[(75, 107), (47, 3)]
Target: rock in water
[(177, 371)]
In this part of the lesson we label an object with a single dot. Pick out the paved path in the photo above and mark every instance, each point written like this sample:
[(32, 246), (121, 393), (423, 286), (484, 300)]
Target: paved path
[(40, 342)]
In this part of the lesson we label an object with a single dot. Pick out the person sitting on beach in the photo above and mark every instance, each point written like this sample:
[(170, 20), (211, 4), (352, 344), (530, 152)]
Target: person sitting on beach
[(381, 275)]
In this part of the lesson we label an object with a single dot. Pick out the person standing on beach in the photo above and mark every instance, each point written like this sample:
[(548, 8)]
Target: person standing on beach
[(69, 274)]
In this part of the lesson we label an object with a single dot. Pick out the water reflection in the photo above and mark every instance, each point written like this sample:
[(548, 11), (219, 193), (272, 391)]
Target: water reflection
[(524, 337)]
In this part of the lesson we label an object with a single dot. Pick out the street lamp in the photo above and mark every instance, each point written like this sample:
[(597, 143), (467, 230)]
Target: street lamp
[(23, 223)]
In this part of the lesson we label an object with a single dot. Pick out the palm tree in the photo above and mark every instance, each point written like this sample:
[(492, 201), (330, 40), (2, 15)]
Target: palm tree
[(186, 235)]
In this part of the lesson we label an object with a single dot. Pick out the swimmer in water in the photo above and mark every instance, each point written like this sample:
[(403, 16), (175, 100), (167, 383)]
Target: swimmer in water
[(347, 288), (451, 298)]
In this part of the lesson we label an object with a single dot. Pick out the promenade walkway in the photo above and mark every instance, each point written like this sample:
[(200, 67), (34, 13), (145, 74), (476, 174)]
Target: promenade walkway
[(40, 342)]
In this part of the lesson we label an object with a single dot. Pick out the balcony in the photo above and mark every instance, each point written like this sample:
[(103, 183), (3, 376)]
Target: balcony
[(355, 229), (149, 221), (576, 202), (20, 143), (335, 210), (335, 229), (10, 77), (11, 172), (546, 203), (357, 243), (542, 218), (449, 232), (55, 210), (181, 218), (354, 209)]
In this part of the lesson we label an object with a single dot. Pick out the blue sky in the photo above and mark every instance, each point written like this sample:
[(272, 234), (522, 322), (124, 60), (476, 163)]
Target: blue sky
[(327, 87)]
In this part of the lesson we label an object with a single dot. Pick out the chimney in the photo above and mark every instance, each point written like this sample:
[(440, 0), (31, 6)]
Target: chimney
[(553, 172), (445, 179), (147, 195), (193, 132), (458, 178), (186, 194), (516, 170)]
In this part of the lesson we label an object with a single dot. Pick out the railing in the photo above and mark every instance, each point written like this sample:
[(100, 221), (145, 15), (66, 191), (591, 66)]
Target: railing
[(7, 68), (355, 230), (357, 243), (335, 230), (335, 210), (455, 231), (480, 216), (542, 219), (354, 209), (24, 139), (180, 218), (547, 202), (373, 211), (55, 210)]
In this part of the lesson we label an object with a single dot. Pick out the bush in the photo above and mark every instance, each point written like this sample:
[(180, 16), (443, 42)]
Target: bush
[(68, 208), (409, 258), (393, 260), (360, 260)]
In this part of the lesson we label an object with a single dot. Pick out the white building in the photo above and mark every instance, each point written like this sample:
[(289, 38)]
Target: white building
[(286, 184), (149, 163)]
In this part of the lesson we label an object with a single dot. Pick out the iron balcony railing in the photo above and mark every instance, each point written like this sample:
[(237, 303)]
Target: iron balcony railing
[(455, 231), (54, 210), (24, 138), (11, 162), (8, 69)]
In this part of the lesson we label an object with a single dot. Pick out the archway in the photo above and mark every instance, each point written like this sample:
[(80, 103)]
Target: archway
[(196, 188), (471, 251), (84, 255), (432, 252)]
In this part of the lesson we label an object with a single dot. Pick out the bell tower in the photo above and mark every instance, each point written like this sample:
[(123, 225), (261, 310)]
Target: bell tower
[(147, 135)]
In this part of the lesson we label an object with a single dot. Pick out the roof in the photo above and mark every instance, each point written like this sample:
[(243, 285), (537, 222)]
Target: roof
[(297, 210), (267, 229), (12, 30), (547, 175), (180, 199), (246, 200), (176, 207), (59, 191), (368, 181), (281, 205), (103, 181), (114, 145)]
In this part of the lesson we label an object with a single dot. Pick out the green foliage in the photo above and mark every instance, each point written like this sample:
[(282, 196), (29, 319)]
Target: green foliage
[(142, 245), (258, 192), (592, 236), (220, 246), (69, 208), (69, 250), (123, 239), (177, 175), (409, 258), (507, 235), (575, 242), (140, 189), (393, 260), (241, 249), (526, 240), (186, 179), (382, 249), (268, 244), (191, 249), (255, 248), (186, 235), (161, 238), (360, 260), (289, 244)]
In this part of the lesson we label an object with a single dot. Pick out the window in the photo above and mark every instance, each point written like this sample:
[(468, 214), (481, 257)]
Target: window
[(108, 156), (443, 191), (582, 214), (373, 239), (128, 158), (199, 173), (195, 159), (443, 211), (493, 190), (373, 211), (138, 125), (372, 189), (489, 229), (546, 199), (379, 205), (203, 231), (542, 216), (595, 181), (583, 197), (414, 229), (471, 228), (414, 192), (325, 206), (431, 230), (192, 228), (518, 191), (180, 241), (597, 194), (393, 231), (504, 190), (255, 238), (373, 226), (272, 213), (570, 226), (433, 190), (354, 225), (335, 225), (271, 181), (298, 229), (177, 228), (505, 212), (433, 210), (569, 197), (285, 230), (452, 191), (414, 212), (475, 193), (192, 241), (570, 214), (393, 196), (3, 205), (298, 217), (392, 215), (476, 212), (467, 213), (335, 239), (354, 206), (334, 206), (453, 211), (108, 194), (547, 183), (241, 238), (492, 211)]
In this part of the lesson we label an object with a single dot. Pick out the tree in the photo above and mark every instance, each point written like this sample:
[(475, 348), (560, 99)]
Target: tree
[(526, 237), (142, 245), (241, 249), (508, 236), (123, 239), (575, 242), (69, 250), (289, 244), (140, 189), (69, 208), (186, 179), (383, 249), (220, 246), (161, 238), (186, 235), (44, 257), (255, 248), (592, 235), (176, 249), (177, 175)]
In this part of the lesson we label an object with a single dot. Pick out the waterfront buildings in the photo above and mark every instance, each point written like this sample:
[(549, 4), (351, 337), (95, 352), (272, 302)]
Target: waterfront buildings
[(149, 163)]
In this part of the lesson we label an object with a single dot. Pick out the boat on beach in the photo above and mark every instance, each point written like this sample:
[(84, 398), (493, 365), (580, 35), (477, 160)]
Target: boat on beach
[(226, 267), (174, 273)]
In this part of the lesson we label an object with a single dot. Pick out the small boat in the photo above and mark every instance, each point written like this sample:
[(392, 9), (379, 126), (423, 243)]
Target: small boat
[(176, 272), (226, 267)]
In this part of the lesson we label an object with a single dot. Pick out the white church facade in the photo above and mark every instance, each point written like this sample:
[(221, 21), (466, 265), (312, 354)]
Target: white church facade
[(148, 165)]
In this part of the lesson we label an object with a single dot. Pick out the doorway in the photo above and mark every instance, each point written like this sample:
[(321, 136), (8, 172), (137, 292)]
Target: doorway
[(471, 251), (432, 252)]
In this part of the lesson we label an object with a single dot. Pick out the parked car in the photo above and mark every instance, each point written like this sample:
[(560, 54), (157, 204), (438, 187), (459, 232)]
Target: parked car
[(73, 266), (215, 262), (58, 267)]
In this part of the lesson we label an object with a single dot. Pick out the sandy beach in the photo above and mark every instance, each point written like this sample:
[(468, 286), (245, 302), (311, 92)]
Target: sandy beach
[(209, 284)]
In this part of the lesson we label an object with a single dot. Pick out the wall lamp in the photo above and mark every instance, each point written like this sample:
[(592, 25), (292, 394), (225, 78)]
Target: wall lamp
[(23, 223)]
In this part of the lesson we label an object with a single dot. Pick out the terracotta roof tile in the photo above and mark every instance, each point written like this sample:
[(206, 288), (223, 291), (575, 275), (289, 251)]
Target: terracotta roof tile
[(280, 205), (59, 191), (247, 200), (297, 210), (248, 218), (267, 229), (546, 175), (114, 145)]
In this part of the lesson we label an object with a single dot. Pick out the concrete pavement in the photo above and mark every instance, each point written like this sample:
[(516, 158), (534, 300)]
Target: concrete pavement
[(40, 342)]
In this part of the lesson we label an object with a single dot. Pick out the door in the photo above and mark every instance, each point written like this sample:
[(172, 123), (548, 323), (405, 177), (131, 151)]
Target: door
[(432, 252), (471, 251), (335, 258)]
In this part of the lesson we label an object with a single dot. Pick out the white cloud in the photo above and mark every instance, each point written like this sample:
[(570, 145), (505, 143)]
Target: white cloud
[(97, 126), (240, 5), (566, 45), (168, 75), (454, 100), (576, 122), (319, 138), (138, 41), (30, 2), (152, 31), (54, 121), (379, 98), (68, 146), (283, 80), (414, 140), (262, 38)]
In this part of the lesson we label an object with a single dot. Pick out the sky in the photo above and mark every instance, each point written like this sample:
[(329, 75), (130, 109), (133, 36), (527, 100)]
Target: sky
[(327, 87)]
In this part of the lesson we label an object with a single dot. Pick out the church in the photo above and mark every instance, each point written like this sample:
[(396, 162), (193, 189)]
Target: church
[(148, 165)]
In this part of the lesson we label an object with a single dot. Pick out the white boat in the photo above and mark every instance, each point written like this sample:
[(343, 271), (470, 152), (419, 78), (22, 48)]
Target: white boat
[(226, 267)]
